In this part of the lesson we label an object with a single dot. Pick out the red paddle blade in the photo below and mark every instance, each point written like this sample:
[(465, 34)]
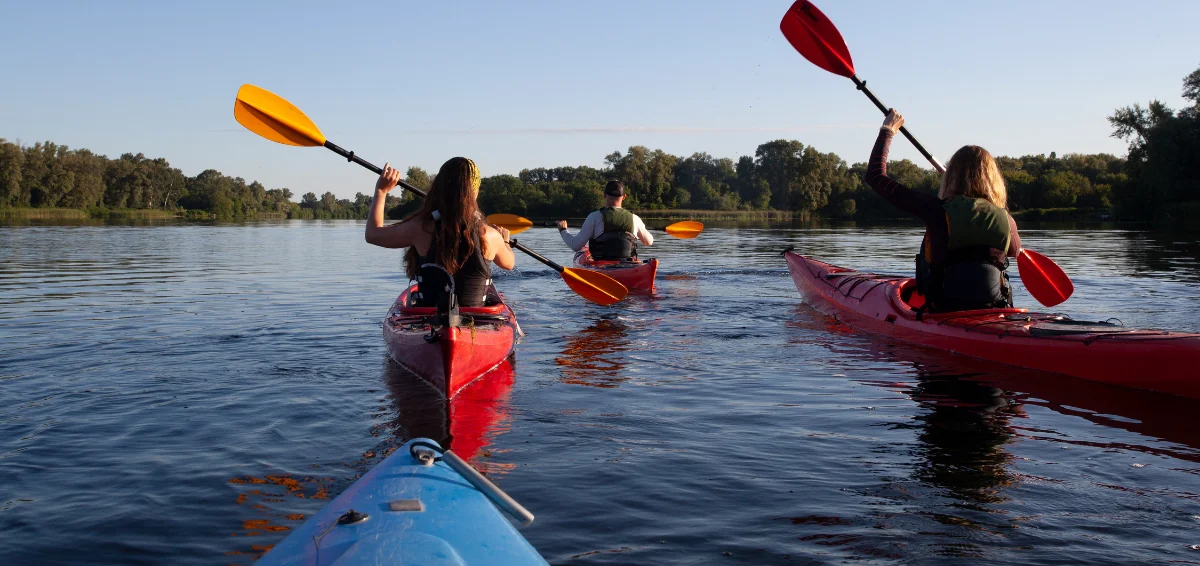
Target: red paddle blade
[(816, 38), (1044, 279)]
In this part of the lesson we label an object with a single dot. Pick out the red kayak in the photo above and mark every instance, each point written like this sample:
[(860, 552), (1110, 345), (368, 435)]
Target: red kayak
[(450, 357), (637, 276), (1157, 360)]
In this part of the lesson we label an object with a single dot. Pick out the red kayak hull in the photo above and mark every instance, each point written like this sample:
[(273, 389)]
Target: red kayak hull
[(1156, 360), (638, 276), (449, 358)]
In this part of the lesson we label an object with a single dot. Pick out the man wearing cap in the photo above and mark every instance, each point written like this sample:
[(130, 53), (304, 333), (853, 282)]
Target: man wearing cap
[(611, 233)]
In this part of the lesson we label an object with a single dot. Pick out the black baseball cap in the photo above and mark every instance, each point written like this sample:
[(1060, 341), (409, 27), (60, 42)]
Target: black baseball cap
[(614, 189)]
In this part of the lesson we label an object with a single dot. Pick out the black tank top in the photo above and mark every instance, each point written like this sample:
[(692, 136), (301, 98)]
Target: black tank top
[(470, 284)]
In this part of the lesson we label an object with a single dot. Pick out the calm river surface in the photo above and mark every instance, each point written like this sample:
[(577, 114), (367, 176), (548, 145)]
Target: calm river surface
[(185, 394)]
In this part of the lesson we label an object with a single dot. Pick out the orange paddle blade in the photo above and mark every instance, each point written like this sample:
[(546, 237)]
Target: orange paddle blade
[(594, 286), (1044, 279), (515, 224), (270, 116), (687, 229)]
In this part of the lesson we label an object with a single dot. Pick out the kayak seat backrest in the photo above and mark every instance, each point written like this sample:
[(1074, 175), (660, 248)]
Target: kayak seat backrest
[(430, 311), (492, 305)]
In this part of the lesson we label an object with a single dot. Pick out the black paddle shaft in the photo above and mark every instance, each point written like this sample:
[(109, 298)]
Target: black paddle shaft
[(862, 85), (349, 155), (536, 255)]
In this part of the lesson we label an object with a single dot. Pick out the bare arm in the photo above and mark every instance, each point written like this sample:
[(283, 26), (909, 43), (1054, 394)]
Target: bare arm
[(639, 230), (396, 235), (496, 249)]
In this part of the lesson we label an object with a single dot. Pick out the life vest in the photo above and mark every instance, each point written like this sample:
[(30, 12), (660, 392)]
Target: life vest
[(617, 242), (972, 276), (467, 288)]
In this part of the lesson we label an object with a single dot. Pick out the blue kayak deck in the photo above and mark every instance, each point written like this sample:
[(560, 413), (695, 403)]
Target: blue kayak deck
[(415, 514)]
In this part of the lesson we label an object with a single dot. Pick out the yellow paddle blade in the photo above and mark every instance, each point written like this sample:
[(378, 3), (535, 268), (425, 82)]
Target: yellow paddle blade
[(270, 116), (515, 224), (687, 229), (594, 286)]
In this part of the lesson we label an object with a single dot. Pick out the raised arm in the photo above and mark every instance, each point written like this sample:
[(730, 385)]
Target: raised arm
[(921, 205), (396, 235)]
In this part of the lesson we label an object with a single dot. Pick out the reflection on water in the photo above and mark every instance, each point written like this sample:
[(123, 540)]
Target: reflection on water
[(595, 356), (235, 375), (963, 432), (467, 423)]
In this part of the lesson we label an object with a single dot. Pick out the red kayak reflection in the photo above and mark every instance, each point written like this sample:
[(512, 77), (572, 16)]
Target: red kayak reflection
[(468, 423), (1158, 415), (595, 356)]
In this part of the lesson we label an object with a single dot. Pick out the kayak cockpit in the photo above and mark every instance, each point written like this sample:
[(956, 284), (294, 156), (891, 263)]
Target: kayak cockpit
[(907, 300)]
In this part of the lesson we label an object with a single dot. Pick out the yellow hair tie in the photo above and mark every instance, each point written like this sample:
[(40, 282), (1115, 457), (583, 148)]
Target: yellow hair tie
[(474, 174)]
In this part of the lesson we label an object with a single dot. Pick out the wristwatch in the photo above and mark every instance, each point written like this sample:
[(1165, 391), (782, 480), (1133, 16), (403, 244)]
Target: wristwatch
[(561, 229)]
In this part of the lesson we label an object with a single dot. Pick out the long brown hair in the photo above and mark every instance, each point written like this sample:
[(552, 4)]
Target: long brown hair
[(460, 227), (972, 172)]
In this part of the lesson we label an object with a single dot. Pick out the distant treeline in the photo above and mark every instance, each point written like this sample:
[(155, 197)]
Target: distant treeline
[(1160, 181), (48, 175)]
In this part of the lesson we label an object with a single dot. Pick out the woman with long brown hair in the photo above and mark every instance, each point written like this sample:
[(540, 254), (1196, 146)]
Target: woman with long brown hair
[(969, 234), (450, 245)]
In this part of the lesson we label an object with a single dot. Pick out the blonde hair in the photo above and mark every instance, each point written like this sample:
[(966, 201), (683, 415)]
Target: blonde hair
[(972, 172)]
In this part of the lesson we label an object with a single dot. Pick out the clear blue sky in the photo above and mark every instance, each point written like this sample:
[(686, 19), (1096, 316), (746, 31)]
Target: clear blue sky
[(529, 84)]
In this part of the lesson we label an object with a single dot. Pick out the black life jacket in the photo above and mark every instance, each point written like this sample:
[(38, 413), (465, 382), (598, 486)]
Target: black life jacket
[(617, 242), (972, 276), (467, 288)]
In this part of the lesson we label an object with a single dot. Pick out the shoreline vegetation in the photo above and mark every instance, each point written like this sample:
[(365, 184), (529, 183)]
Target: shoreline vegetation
[(1158, 183)]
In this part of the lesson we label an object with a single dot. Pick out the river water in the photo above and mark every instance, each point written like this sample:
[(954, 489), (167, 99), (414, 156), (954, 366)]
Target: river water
[(185, 394)]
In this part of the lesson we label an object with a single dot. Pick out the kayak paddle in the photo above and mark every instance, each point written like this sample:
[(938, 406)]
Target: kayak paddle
[(515, 224), (816, 38), (819, 41), (591, 285), (270, 116), (684, 230), (1043, 278)]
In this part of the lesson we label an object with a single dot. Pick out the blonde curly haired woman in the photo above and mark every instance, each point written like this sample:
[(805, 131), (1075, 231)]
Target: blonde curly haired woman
[(969, 234)]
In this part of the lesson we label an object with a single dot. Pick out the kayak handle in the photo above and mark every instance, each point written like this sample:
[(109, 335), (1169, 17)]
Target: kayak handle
[(500, 499)]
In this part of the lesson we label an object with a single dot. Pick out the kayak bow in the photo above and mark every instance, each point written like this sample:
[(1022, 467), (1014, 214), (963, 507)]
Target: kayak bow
[(418, 506)]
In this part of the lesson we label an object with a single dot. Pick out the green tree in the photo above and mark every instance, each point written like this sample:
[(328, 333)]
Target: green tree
[(87, 179), (12, 158), (418, 178), (1063, 188), (1163, 166), (778, 163)]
